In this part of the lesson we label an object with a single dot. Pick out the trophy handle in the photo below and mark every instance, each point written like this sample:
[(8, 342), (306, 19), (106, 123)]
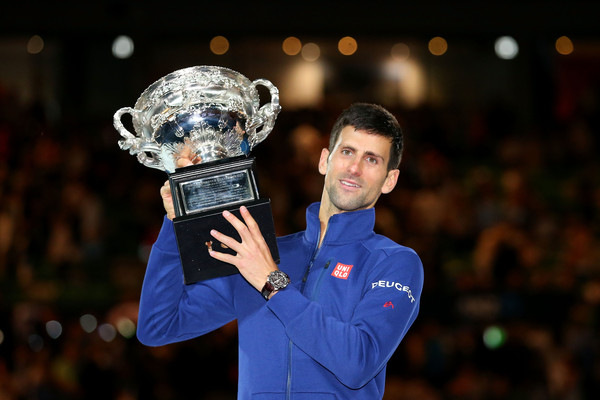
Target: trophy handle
[(147, 153), (267, 114)]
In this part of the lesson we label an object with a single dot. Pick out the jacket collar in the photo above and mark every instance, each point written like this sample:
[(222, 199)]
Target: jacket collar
[(347, 227)]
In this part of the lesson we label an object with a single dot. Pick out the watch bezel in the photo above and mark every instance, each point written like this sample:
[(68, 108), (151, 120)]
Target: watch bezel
[(276, 280)]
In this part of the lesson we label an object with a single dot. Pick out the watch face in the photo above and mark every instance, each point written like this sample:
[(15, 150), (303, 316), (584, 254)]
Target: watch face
[(279, 279)]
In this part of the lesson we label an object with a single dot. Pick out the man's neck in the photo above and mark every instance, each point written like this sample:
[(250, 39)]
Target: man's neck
[(324, 221), (326, 211)]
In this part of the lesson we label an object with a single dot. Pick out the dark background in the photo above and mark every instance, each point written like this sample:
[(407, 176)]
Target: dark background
[(499, 190)]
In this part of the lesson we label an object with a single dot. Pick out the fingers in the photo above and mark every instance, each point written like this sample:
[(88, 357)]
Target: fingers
[(248, 230), (165, 190), (253, 227), (252, 256), (183, 162), (226, 240), (239, 226), (225, 257), (167, 198), (187, 157), (249, 220)]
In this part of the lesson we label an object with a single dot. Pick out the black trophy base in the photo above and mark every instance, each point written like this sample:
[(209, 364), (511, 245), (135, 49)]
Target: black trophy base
[(194, 239)]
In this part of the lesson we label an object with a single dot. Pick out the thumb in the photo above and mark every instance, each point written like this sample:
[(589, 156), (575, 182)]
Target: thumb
[(167, 198)]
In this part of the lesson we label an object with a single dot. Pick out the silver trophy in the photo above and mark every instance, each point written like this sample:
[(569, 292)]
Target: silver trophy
[(212, 116)]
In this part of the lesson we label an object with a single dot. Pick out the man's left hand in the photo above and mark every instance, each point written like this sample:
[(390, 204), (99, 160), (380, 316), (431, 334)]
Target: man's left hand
[(253, 258)]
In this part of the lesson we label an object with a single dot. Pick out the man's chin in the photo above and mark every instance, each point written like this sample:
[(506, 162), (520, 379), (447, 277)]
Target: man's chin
[(350, 206)]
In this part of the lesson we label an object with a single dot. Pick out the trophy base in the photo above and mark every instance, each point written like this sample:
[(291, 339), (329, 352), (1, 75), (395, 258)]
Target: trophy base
[(194, 239)]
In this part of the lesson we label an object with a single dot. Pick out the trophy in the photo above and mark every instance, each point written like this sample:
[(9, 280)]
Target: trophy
[(212, 116)]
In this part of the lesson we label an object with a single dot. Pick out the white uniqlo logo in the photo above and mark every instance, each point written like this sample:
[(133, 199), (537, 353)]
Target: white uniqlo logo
[(341, 271)]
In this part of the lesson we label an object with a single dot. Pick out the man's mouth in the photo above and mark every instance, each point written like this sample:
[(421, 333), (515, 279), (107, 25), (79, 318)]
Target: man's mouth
[(349, 184)]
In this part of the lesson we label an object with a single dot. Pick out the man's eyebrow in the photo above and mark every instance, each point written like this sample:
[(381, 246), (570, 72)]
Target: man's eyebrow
[(373, 154), (347, 146), (367, 153)]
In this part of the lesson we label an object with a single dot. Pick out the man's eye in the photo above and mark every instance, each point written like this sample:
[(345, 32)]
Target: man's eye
[(346, 152), (372, 160)]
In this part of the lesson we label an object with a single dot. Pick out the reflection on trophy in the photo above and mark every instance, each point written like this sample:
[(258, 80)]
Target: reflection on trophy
[(212, 116)]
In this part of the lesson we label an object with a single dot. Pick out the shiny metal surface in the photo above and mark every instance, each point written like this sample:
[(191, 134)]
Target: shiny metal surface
[(203, 112)]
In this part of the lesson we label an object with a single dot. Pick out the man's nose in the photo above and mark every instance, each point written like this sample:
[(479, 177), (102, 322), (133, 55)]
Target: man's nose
[(355, 167)]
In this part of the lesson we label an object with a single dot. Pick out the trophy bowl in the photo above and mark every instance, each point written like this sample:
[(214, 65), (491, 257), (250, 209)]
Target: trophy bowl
[(206, 113)]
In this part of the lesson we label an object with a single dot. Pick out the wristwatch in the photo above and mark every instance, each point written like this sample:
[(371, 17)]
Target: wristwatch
[(276, 280)]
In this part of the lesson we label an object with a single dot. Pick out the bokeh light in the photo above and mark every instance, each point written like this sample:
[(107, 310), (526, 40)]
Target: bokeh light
[(311, 52), (35, 44), (506, 47), (347, 46), (219, 45), (88, 323), (107, 332), (292, 46), (564, 45), (400, 52), (494, 337), (438, 46), (126, 328), (303, 85), (122, 47), (406, 81), (54, 329)]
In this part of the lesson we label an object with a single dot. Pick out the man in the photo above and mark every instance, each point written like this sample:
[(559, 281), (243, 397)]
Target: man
[(324, 323)]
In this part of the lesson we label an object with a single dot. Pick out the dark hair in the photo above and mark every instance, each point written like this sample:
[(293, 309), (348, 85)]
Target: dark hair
[(376, 120)]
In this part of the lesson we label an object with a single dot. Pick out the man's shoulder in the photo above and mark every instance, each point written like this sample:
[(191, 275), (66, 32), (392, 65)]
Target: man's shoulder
[(384, 243)]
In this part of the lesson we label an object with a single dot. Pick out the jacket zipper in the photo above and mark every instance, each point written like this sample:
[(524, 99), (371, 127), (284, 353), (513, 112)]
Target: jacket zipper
[(288, 392), (302, 287), (310, 264), (317, 286)]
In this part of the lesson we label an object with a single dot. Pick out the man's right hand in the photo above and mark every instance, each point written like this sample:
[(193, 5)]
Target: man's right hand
[(165, 191), (167, 198)]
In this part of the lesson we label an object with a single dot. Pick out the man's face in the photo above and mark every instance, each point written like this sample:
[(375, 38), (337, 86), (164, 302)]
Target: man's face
[(356, 171)]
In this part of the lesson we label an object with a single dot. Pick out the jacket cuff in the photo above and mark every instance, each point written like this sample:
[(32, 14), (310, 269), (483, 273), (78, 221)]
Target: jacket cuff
[(288, 304)]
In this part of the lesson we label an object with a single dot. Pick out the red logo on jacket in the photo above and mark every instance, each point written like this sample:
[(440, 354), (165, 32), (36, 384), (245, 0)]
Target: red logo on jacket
[(342, 271)]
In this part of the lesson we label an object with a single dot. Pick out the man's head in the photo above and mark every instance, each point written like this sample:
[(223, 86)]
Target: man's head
[(376, 120), (361, 162)]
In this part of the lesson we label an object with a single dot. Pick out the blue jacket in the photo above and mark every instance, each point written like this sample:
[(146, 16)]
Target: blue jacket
[(328, 335)]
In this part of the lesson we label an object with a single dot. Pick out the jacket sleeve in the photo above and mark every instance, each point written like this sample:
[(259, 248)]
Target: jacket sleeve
[(355, 351), (171, 311)]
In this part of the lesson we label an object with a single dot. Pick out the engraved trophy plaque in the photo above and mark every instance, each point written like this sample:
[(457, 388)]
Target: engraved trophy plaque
[(212, 116)]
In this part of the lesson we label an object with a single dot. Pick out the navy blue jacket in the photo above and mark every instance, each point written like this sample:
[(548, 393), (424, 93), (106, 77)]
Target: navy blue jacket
[(328, 335)]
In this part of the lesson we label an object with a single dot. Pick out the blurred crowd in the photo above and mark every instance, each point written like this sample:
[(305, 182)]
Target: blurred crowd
[(502, 210)]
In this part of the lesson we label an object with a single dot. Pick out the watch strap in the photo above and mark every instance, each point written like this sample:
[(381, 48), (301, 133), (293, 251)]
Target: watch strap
[(267, 290), (276, 280)]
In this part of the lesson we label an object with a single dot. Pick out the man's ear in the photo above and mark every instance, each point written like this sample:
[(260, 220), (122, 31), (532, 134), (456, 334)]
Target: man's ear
[(390, 181), (323, 161)]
